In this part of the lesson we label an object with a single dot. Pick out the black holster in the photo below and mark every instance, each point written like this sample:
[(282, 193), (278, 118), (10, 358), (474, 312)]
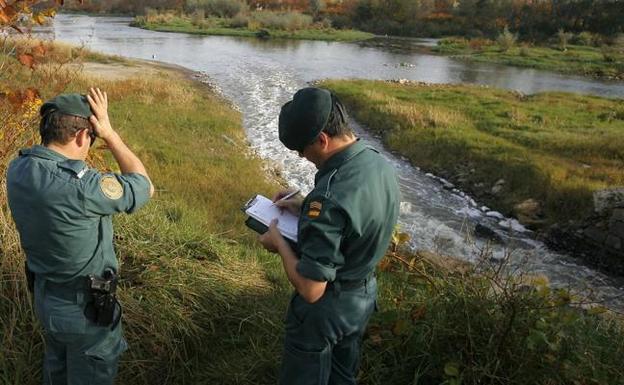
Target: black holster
[(103, 304)]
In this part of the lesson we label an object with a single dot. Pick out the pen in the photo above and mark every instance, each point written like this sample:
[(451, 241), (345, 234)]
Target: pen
[(288, 196)]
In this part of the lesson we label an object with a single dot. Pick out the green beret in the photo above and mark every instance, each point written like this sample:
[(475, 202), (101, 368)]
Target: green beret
[(68, 104), (304, 117)]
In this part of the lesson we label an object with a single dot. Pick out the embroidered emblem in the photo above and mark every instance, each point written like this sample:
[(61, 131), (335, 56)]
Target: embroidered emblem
[(111, 187), (315, 209)]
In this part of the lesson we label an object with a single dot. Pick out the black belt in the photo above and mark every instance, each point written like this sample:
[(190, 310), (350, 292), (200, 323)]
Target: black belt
[(351, 284)]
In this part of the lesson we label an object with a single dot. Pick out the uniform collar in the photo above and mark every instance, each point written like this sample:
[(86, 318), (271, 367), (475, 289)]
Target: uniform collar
[(338, 159), (43, 152)]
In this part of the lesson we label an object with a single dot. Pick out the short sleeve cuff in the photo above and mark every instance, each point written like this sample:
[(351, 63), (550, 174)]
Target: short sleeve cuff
[(316, 271), (140, 186)]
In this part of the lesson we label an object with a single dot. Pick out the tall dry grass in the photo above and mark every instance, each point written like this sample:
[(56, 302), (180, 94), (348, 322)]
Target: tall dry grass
[(195, 293)]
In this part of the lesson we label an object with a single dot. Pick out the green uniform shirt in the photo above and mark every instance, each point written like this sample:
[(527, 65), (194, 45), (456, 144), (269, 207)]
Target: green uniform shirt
[(347, 221), (63, 212)]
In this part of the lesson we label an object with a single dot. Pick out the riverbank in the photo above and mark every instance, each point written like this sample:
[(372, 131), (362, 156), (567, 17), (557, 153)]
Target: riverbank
[(603, 63), (246, 28), (550, 151), (204, 304)]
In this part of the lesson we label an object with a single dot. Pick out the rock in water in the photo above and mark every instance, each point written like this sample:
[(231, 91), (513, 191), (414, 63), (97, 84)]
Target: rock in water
[(529, 213)]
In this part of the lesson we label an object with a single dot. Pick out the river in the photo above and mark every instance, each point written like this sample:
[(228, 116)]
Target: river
[(260, 75)]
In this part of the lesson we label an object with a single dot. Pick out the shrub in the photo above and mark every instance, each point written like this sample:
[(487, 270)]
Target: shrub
[(158, 17), (455, 42), (477, 44), (506, 40), (287, 21), (584, 38), (239, 21), (198, 16), (563, 38), (325, 23), (220, 8), (484, 325), (315, 7), (609, 54)]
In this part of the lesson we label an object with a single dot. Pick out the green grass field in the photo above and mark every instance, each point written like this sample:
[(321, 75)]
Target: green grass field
[(556, 148), (203, 304), (577, 59)]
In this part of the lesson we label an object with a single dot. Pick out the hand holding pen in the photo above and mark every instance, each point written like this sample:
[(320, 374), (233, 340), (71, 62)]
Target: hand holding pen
[(289, 200)]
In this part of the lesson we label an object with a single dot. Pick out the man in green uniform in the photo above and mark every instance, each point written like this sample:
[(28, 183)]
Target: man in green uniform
[(345, 226), (62, 209)]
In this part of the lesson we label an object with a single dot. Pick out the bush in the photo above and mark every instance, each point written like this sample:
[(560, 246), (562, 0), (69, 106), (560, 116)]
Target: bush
[(454, 42), (477, 44), (584, 38), (563, 38), (477, 325), (287, 21), (506, 40), (609, 54), (156, 16), (239, 21), (220, 8), (198, 17)]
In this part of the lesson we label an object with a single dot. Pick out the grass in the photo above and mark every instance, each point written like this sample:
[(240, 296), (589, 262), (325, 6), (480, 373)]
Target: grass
[(554, 147), (219, 26), (577, 59), (203, 304)]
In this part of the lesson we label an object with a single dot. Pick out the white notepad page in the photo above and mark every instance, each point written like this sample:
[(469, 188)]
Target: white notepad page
[(262, 209)]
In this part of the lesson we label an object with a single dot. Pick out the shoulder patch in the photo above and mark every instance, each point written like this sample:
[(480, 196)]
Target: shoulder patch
[(315, 209), (111, 187)]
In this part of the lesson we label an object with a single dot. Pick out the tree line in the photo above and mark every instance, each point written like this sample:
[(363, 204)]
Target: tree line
[(533, 20)]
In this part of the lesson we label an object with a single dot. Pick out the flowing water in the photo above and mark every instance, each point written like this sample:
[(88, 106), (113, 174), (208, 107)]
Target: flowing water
[(259, 76)]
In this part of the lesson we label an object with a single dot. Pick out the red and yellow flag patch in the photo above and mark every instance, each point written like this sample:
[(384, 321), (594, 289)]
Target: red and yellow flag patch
[(315, 209)]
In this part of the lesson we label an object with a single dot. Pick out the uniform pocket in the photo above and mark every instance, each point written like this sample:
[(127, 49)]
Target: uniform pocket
[(303, 366), (108, 347)]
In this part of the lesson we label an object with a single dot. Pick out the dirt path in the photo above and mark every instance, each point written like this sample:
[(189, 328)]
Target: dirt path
[(135, 68)]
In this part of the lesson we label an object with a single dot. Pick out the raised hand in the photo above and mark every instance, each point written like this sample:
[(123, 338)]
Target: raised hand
[(100, 121)]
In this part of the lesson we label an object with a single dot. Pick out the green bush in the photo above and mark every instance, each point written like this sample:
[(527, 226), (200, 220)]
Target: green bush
[(481, 325), (506, 40), (585, 38), (239, 21), (198, 17), (220, 8)]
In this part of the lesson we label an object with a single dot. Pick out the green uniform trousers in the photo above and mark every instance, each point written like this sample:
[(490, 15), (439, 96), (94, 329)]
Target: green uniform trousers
[(77, 352), (323, 339)]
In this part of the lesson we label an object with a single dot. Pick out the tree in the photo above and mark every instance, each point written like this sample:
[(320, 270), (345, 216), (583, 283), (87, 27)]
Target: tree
[(316, 6)]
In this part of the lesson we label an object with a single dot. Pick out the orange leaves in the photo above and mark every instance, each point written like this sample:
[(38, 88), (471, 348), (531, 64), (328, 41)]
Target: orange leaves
[(7, 13), (30, 56), (18, 98), (27, 60), (18, 12)]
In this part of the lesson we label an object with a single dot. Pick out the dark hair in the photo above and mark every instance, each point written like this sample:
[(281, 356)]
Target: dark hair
[(60, 128), (337, 123)]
